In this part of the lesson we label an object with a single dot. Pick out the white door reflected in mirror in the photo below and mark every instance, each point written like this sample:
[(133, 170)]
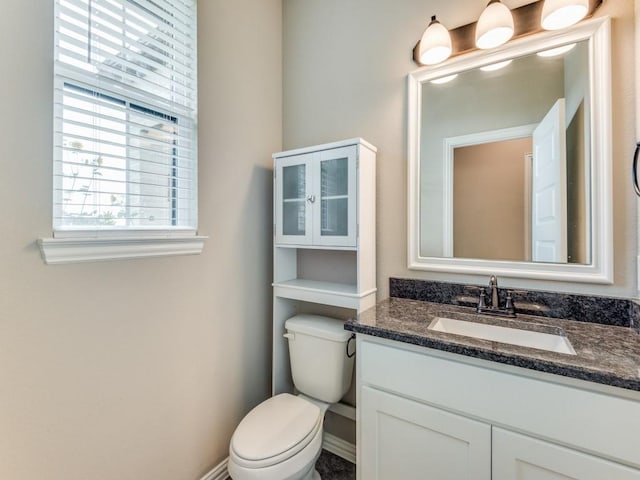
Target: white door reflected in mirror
[(549, 188)]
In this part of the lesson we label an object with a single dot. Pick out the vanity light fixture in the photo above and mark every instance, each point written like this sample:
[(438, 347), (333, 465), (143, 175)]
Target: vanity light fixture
[(495, 25), (492, 67), (435, 44), (555, 52), (441, 80), (558, 14)]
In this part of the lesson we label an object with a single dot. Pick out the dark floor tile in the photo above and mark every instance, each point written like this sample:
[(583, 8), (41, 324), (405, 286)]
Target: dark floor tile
[(333, 467)]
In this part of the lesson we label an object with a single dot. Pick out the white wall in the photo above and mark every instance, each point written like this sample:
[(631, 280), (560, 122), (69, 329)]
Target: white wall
[(138, 369), (345, 68)]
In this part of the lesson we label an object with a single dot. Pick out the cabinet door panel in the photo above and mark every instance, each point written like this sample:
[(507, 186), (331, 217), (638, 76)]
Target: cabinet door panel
[(518, 457), (404, 439), (335, 220), (293, 208)]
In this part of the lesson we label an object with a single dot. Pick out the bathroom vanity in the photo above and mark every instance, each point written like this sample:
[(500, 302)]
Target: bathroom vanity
[(474, 404), (445, 406)]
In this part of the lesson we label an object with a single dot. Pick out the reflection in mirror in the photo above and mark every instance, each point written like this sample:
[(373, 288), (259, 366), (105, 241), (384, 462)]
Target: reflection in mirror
[(483, 201), (505, 161)]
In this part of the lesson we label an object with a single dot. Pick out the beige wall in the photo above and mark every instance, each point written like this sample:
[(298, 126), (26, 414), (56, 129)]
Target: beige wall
[(345, 68), (489, 214), (138, 369)]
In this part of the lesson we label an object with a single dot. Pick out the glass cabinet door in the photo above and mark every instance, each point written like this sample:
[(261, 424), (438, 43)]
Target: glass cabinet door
[(293, 201), (334, 197), (315, 198), (335, 212)]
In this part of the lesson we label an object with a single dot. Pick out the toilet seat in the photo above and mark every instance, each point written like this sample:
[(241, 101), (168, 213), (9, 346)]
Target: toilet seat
[(275, 430)]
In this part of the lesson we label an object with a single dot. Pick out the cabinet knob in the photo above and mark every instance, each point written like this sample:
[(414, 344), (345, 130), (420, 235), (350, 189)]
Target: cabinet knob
[(311, 198)]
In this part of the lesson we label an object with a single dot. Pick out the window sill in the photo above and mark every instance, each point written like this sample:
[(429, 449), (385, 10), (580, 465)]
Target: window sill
[(74, 250)]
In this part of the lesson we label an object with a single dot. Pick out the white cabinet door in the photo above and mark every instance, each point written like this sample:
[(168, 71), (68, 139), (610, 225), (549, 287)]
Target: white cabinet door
[(403, 439), (294, 199), (315, 198), (335, 186), (518, 457)]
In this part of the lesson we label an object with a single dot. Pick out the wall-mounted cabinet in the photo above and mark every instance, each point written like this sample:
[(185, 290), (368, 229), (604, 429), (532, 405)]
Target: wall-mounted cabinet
[(324, 237), (315, 198)]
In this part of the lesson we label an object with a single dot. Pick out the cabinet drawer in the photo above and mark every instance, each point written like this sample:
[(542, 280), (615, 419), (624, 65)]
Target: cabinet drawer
[(588, 420)]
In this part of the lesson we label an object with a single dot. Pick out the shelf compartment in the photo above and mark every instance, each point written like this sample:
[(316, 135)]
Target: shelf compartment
[(331, 293)]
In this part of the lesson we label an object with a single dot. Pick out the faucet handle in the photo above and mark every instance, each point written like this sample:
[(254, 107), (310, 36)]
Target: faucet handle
[(508, 304), (482, 304)]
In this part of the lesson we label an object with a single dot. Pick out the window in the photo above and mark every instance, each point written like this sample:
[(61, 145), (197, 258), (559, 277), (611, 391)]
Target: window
[(125, 99)]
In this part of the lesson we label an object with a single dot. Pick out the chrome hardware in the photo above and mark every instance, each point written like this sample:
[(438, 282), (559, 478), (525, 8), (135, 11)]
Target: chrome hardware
[(493, 286), (311, 198), (508, 310)]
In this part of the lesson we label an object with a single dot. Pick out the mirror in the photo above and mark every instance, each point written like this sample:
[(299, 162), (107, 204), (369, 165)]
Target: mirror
[(509, 159)]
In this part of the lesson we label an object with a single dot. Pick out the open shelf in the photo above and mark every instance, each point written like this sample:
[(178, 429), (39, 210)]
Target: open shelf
[(316, 291)]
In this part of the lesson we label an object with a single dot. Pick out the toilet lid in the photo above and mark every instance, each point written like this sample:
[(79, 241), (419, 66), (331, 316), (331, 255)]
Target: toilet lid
[(284, 423)]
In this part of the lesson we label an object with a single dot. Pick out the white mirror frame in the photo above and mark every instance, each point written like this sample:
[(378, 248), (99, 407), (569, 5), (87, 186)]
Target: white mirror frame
[(600, 270)]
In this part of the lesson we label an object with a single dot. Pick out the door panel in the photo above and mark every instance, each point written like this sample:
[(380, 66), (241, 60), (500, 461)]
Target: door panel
[(518, 457), (335, 205), (293, 210), (403, 439), (549, 188)]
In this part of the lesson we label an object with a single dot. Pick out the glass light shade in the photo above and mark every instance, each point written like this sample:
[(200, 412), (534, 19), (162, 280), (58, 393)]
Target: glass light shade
[(447, 79), (496, 66), (435, 44), (554, 52), (557, 14), (495, 25)]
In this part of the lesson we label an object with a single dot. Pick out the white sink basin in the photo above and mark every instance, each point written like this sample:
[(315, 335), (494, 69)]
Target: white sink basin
[(513, 336)]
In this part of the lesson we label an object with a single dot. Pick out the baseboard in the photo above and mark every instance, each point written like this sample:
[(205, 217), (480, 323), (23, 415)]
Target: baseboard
[(330, 443), (219, 472), (339, 447)]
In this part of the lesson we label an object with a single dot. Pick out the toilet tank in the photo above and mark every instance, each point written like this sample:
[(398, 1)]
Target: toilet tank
[(320, 366)]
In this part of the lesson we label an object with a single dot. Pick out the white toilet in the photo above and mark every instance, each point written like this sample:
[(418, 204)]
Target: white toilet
[(281, 438)]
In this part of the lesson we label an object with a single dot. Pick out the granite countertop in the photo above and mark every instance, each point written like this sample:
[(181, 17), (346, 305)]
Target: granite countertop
[(605, 354)]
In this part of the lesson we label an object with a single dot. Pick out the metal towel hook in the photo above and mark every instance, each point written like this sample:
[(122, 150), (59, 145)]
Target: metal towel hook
[(352, 337)]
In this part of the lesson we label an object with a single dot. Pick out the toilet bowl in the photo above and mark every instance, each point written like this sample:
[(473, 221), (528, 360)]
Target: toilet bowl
[(281, 438)]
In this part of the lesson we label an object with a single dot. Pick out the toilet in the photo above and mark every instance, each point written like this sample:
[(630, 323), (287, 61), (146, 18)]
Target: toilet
[(281, 438)]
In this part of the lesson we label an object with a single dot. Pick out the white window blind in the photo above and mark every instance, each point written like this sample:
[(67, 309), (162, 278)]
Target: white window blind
[(125, 100)]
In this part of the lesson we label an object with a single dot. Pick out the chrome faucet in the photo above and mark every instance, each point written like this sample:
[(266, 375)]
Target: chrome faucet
[(493, 286), (494, 309)]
